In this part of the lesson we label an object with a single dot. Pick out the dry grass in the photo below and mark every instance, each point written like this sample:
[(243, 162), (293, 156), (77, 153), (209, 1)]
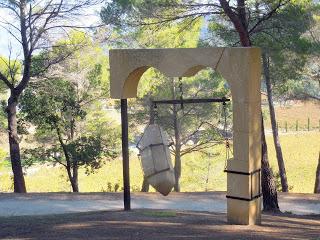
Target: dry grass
[(299, 111)]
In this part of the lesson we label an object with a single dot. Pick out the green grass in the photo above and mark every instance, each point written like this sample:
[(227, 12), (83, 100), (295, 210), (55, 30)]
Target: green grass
[(300, 154)]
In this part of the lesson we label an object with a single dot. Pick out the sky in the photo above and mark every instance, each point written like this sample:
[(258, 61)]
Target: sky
[(6, 39)]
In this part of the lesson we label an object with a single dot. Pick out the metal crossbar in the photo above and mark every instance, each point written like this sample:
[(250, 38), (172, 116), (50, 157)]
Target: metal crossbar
[(191, 100)]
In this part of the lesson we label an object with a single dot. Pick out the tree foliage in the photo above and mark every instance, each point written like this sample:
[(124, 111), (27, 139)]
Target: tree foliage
[(64, 105), (34, 26)]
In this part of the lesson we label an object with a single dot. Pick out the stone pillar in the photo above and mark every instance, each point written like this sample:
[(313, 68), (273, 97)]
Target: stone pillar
[(243, 171), (243, 176)]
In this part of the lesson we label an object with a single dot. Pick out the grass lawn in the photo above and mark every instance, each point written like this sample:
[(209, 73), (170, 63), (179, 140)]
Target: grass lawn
[(300, 153), (199, 173)]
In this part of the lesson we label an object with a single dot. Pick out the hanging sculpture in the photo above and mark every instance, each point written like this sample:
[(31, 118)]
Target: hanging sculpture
[(154, 145), (156, 160)]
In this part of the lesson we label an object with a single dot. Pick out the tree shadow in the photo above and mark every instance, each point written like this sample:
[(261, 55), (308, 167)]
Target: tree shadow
[(156, 224)]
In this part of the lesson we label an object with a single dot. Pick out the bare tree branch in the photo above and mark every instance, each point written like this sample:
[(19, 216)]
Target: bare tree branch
[(6, 81), (268, 15), (59, 161)]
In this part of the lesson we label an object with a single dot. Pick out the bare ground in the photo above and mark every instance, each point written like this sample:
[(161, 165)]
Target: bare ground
[(183, 223), (60, 203), (156, 224)]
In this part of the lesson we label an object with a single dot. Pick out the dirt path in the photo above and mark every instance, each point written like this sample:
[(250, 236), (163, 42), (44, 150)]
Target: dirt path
[(59, 203), (156, 224)]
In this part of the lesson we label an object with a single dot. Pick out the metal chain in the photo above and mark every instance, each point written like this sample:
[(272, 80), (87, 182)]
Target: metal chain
[(156, 117), (181, 92), (225, 125), (156, 113), (225, 133)]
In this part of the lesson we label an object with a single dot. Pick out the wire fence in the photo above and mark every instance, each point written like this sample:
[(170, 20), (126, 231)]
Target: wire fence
[(298, 125)]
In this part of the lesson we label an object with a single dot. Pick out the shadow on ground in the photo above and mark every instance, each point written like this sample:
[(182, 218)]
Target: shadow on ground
[(156, 224)]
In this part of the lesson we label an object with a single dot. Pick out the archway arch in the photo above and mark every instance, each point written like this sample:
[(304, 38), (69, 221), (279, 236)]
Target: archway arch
[(241, 68)]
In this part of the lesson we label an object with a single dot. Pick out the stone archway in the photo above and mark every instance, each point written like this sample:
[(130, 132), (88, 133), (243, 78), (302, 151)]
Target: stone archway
[(241, 68)]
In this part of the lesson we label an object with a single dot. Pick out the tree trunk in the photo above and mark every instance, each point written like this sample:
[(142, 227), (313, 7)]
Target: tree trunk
[(145, 185), (75, 185), (177, 142), (269, 191), (73, 176), (151, 112), (207, 176), (270, 197), (177, 169), (73, 179), (18, 178), (239, 20), (276, 140), (317, 183)]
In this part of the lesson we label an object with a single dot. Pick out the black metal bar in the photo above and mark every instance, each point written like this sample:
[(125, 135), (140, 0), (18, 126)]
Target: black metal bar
[(191, 100), (244, 199), (243, 173), (125, 155), (236, 172)]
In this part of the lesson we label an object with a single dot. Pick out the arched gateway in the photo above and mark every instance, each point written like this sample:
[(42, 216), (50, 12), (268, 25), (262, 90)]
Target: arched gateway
[(241, 68)]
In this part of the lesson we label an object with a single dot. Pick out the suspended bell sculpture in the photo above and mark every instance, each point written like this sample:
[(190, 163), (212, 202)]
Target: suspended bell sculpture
[(155, 159)]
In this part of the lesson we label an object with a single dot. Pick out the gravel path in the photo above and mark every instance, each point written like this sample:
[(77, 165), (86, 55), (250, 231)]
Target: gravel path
[(58, 203)]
